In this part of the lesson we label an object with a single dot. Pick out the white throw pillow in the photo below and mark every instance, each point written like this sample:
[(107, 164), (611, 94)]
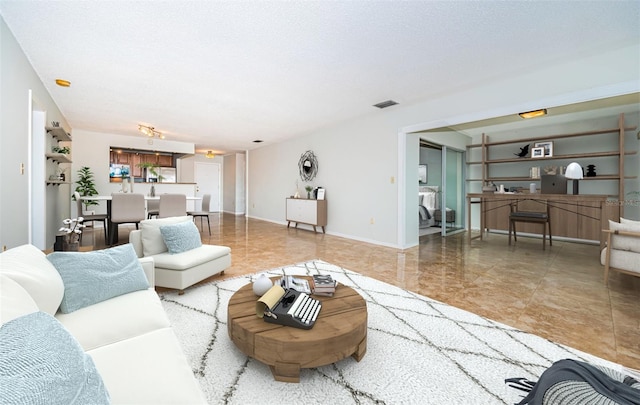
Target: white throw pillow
[(152, 241), (15, 301), (28, 266), (630, 222), (620, 242)]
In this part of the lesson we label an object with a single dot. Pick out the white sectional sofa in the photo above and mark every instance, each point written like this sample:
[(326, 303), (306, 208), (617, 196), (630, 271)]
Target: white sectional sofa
[(184, 262), (124, 344)]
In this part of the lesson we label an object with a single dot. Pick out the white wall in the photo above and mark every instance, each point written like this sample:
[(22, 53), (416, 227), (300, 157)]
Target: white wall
[(17, 79), (234, 184), (355, 166)]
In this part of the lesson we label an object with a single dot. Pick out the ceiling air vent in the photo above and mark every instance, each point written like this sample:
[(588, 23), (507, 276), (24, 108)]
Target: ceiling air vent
[(385, 104)]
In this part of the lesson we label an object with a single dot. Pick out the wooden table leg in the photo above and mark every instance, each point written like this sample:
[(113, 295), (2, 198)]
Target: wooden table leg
[(286, 372), (361, 350)]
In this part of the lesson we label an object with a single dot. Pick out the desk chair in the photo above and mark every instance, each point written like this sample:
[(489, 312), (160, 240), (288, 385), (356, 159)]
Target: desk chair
[(533, 211), (153, 208), (206, 201), (90, 218), (125, 209), (172, 205)]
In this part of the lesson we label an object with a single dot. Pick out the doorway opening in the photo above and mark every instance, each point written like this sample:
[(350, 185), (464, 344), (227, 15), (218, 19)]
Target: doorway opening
[(440, 190)]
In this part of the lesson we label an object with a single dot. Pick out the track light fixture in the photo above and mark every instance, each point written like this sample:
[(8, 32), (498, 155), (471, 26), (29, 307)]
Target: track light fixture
[(150, 131)]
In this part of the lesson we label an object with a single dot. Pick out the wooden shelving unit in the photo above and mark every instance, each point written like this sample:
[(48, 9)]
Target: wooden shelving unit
[(620, 154)]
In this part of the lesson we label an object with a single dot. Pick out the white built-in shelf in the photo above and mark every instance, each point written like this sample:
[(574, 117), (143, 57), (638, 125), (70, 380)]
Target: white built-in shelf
[(59, 133), (59, 157), (56, 182)]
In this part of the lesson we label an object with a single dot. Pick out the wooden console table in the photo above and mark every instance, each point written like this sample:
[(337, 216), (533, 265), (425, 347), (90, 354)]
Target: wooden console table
[(581, 216), (339, 332), (307, 211)]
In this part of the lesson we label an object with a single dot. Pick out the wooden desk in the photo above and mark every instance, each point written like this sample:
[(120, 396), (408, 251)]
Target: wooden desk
[(340, 331), (572, 216)]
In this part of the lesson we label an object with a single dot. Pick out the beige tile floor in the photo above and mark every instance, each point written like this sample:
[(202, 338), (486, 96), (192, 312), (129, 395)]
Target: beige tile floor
[(558, 293)]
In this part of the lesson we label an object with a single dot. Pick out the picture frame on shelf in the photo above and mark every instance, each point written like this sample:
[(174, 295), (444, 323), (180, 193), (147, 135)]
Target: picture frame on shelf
[(320, 194), (537, 152), (548, 147)]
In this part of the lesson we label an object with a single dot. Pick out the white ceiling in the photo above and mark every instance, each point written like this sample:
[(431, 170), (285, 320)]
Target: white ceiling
[(221, 74)]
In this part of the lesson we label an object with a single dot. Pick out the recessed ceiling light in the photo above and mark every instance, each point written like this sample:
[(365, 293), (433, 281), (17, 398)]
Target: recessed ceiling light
[(533, 114), (63, 83), (385, 104), (258, 141)]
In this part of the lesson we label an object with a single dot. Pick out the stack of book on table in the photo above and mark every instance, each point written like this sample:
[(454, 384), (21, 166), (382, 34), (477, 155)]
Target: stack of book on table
[(324, 284)]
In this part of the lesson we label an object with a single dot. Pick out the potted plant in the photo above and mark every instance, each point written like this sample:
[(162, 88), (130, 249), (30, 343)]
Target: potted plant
[(86, 187), (308, 188)]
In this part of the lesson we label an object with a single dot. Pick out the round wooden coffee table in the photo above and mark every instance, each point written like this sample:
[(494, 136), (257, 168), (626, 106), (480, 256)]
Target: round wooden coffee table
[(340, 331)]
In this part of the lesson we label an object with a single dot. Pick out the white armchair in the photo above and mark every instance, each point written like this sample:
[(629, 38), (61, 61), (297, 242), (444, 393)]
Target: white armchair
[(178, 270), (622, 252)]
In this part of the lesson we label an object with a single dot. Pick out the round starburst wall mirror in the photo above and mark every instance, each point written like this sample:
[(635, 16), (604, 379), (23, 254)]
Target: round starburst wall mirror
[(308, 166)]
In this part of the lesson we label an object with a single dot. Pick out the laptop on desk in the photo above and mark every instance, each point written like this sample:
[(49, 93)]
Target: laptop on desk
[(553, 184)]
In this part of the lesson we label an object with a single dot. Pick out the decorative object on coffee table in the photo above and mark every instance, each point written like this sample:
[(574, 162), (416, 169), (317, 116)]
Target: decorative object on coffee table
[(261, 285)]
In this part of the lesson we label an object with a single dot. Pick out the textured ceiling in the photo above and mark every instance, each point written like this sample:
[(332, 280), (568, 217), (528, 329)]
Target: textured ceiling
[(221, 74)]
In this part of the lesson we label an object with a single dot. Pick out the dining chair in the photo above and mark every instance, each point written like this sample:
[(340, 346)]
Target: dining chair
[(153, 208), (125, 209), (172, 205), (533, 211), (90, 218), (204, 213)]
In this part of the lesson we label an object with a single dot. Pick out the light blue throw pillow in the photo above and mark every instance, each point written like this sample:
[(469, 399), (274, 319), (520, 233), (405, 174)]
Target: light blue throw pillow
[(181, 237), (92, 277), (41, 363)]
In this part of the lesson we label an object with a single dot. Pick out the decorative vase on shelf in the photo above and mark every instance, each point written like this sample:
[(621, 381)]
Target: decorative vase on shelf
[(261, 285), (152, 193)]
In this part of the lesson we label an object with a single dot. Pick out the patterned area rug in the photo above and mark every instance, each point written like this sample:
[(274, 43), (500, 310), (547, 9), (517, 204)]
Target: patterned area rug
[(419, 351)]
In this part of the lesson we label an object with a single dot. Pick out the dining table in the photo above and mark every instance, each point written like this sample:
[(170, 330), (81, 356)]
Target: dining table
[(112, 229)]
